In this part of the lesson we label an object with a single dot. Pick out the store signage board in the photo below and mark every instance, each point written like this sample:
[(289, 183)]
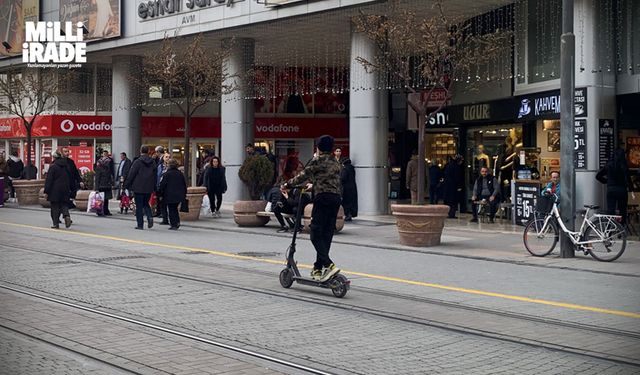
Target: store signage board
[(606, 140), (15, 14), (547, 105), (100, 18), (152, 9), (526, 197), (580, 148), (82, 157)]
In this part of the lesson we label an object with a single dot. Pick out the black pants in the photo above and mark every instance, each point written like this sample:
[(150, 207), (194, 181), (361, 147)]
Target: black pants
[(162, 209), (174, 216), (433, 194), (323, 224), (215, 201), (620, 198), (279, 210), (492, 206), (142, 208), (58, 208)]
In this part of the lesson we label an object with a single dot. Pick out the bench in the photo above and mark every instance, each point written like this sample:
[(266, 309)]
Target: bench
[(306, 219)]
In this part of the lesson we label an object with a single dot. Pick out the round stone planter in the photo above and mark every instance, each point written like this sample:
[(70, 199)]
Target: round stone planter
[(244, 213), (306, 220), (82, 199), (27, 191), (42, 199), (194, 195), (420, 225)]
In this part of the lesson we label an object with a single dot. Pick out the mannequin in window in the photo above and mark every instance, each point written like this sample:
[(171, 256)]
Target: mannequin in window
[(504, 166), (481, 160)]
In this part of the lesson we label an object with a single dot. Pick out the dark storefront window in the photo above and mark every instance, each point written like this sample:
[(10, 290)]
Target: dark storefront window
[(77, 90), (103, 89)]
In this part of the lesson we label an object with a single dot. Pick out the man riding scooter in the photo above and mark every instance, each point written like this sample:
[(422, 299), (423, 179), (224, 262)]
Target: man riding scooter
[(323, 173)]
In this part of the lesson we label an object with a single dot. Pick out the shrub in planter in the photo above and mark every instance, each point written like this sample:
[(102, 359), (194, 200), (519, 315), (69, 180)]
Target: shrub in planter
[(257, 174)]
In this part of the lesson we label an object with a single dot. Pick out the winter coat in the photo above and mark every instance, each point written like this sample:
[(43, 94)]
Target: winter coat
[(173, 187), (56, 186), (453, 180), (435, 174), (215, 180), (74, 176), (349, 188), (125, 169), (142, 176), (617, 179), (412, 174), (16, 167), (274, 195), (104, 178)]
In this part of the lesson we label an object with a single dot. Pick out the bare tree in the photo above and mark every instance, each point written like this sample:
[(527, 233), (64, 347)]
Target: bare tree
[(189, 75), (431, 50), (28, 94)]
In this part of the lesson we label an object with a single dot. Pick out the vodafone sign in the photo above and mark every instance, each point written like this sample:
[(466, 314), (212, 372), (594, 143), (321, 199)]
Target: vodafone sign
[(81, 126)]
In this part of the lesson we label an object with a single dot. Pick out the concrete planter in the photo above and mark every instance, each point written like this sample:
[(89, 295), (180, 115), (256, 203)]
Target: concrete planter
[(306, 220), (194, 195), (27, 191), (420, 225), (42, 199), (82, 199), (244, 213)]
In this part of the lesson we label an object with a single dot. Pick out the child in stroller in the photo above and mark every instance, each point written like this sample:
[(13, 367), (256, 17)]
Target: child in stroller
[(126, 203)]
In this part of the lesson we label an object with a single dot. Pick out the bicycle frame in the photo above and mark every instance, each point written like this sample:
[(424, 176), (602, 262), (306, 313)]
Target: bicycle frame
[(575, 236)]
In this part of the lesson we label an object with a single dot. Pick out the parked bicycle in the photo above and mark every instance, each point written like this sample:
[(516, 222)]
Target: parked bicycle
[(601, 236)]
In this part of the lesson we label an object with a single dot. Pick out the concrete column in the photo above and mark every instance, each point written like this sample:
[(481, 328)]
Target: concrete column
[(368, 130), (126, 116), (237, 117), (600, 100)]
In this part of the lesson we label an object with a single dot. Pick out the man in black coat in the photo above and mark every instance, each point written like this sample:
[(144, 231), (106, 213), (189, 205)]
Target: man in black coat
[(75, 181), (173, 189), (349, 190), (57, 188), (123, 170), (142, 180)]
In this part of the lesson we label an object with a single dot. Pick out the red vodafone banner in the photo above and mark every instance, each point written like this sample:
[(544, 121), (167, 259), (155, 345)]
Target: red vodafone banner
[(301, 127), (83, 157), (173, 127), (80, 126)]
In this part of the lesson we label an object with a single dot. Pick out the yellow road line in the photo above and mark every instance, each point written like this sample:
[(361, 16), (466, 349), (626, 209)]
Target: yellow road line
[(570, 306)]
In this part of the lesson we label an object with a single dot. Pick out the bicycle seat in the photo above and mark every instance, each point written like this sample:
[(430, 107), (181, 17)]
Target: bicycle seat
[(591, 206)]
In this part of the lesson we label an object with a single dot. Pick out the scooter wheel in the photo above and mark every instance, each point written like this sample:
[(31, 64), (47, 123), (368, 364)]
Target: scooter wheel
[(286, 277), (340, 286)]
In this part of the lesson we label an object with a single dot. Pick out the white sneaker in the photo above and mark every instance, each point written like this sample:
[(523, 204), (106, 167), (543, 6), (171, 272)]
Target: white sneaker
[(218, 214)]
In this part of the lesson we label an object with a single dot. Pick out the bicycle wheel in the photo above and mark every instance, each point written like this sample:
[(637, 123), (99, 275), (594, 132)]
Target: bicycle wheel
[(537, 242), (610, 239)]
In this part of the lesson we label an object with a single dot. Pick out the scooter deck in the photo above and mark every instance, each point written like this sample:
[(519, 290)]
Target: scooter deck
[(313, 282)]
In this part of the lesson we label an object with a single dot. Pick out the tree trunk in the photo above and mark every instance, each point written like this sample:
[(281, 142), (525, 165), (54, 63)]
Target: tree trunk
[(421, 164), (27, 174)]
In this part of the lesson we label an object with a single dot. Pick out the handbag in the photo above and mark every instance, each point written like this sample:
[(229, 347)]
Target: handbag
[(184, 206)]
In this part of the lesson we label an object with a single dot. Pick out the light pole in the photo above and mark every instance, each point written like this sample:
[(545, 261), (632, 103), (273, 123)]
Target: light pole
[(567, 87)]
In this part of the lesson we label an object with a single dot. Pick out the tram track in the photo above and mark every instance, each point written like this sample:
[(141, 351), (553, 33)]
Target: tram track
[(465, 329)]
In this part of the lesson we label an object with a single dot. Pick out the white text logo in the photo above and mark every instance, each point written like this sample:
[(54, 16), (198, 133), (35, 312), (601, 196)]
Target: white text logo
[(67, 126), (48, 45)]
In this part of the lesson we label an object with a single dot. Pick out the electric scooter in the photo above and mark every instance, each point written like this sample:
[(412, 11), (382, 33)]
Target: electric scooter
[(338, 283)]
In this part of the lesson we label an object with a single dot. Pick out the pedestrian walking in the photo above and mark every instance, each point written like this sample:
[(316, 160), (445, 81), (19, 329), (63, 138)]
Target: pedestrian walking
[(323, 174), (142, 181), (215, 181), (57, 188), (349, 190), (16, 169), (161, 207), (435, 180), (453, 184), (173, 189), (75, 181), (103, 181), (123, 170), (615, 174)]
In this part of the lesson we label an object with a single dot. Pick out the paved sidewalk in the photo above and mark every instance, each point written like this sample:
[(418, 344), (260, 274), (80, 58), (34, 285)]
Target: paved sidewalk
[(499, 242)]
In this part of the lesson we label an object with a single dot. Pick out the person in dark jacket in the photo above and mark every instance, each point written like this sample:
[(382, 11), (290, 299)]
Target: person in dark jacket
[(453, 184), (75, 180), (57, 188), (15, 167), (435, 178), (323, 172), (216, 183), (104, 182), (349, 190), (142, 181), (615, 174), (173, 189), (288, 204), (486, 189), (123, 170)]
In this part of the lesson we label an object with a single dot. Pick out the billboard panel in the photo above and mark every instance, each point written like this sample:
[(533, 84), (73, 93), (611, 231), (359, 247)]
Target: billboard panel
[(100, 17), (13, 15)]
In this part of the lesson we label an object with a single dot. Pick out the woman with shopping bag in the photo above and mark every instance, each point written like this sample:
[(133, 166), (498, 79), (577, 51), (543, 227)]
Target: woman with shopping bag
[(104, 182), (216, 183)]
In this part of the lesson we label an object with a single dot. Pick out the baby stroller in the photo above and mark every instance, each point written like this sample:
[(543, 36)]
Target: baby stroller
[(126, 203)]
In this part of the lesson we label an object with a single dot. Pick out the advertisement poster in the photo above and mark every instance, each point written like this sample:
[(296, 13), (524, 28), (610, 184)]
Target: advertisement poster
[(13, 15), (526, 197), (553, 140), (633, 152), (100, 17), (580, 147), (605, 139), (83, 157)]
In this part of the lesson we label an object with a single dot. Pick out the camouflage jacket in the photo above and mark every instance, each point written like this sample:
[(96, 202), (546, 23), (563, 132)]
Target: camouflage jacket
[(323, 172)]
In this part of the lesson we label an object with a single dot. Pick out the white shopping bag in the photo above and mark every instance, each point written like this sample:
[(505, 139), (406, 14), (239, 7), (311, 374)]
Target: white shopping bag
[(206, 206)]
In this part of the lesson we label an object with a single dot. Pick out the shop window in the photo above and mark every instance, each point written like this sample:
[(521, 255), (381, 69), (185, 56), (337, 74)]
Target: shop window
[(77, 90), (440, 147), (104, 86)]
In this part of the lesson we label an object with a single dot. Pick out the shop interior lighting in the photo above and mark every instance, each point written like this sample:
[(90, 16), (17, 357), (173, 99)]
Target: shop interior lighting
[(175, 150)]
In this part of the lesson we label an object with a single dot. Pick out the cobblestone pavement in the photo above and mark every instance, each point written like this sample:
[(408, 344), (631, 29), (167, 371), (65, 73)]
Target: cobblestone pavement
[(362, 343)]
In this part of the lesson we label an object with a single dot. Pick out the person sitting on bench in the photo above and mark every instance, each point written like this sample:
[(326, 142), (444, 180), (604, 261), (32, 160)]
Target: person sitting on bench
[(289, 205)]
